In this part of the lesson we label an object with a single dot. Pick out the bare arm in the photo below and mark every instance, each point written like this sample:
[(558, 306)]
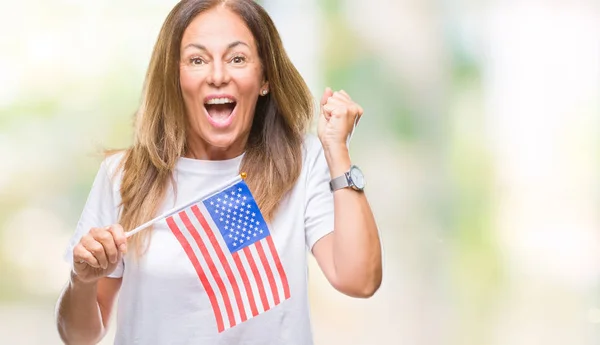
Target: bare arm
[(85, 305), (84, 309), (350, 257)]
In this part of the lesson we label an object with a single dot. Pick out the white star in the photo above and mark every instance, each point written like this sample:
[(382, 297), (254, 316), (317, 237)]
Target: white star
[(241, 241), (226, 222), (226, 196), (243, 203), (253, 214), (255, 234), (238, 201), (228, 216), (212, 203), (257, 222), (234, 244), (260, 231), (239, 189), (246, 217), (239, 195), (232, 192), (218, 199), (237, 232), (247, 212), (234, 212), (235, 238), (221, 219), (245, 223), (239, 227), (230, 236), (248, 205), (229, 210), (248, 238), (244, 197)]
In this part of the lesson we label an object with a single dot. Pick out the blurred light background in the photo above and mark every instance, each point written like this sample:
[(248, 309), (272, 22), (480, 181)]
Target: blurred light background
[(480, 142)]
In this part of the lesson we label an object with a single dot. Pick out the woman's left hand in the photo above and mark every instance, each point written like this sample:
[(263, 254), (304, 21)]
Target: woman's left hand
[(336, 120)]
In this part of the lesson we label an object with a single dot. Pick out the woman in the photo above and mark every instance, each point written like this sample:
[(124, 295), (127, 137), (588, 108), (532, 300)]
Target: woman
[(221, 97)]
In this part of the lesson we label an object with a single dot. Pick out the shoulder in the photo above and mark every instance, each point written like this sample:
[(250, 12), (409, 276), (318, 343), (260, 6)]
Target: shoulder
[(112, 165), (311, 146)]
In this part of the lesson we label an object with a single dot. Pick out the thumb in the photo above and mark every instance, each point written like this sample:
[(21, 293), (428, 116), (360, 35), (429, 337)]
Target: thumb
[(328, 93)]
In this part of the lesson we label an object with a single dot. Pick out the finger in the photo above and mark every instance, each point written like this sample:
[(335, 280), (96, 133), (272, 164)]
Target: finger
[(327, 109), (342, 95), (339, 112), (97, 249), (120, 238), (328, 93), (333, 103), (82, 256), (106, 239)]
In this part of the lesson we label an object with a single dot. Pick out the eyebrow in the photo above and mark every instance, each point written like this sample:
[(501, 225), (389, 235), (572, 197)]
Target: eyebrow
[(230, 46)]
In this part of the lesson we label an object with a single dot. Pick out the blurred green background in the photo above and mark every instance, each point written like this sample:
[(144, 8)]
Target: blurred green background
[(480, 143)]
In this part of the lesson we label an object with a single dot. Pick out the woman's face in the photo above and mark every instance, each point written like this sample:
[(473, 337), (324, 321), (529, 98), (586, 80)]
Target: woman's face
[(221, 79)]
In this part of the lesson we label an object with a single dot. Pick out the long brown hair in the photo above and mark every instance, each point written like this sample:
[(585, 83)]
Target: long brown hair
[(273, 158)]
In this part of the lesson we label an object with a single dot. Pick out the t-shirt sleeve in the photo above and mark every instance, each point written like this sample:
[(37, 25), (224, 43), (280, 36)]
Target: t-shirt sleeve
[(101, 209), (318, 219)]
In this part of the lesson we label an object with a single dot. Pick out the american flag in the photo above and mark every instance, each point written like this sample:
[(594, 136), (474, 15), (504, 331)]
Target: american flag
[(228, 242)]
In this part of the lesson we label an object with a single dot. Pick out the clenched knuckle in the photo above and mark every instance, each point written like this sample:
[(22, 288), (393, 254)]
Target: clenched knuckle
[(96, 248)]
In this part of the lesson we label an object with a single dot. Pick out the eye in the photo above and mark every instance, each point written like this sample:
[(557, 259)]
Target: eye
[(238, 59), (196, 61)]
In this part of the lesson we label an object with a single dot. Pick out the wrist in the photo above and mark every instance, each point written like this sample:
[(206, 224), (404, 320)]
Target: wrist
[(338, 159), (76, 282)]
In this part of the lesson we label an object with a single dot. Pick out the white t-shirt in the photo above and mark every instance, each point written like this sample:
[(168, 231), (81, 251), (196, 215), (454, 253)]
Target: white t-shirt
[(163, 300)]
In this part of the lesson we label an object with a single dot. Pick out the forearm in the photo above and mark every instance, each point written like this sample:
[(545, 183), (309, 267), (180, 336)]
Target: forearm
[(356, 244), (78, 315)]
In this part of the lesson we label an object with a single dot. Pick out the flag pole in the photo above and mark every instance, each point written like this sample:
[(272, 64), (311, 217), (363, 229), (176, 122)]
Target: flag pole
[(177, 209)]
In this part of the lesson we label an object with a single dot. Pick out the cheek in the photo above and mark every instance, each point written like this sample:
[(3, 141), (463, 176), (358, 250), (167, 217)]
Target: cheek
[(188, 81)]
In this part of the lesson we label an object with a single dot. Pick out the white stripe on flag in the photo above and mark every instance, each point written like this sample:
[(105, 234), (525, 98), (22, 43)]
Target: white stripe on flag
[(263, 275), (237, 278), (278, 278), (205, 268), (219, 276)]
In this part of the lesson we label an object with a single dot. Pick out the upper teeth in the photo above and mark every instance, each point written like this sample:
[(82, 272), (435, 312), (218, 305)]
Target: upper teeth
[(220, 101)]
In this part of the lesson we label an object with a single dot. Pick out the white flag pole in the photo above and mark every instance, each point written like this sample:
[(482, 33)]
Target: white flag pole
[(179, 208)]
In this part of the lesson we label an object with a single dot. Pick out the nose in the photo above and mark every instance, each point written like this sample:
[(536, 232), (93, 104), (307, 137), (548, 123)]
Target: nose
[(218, 75)]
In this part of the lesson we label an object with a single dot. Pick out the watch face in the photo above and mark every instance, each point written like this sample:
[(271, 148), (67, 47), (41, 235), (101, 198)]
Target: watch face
[(357, 177)]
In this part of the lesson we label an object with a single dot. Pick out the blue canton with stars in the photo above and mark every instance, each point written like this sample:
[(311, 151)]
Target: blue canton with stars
[(237, 216)]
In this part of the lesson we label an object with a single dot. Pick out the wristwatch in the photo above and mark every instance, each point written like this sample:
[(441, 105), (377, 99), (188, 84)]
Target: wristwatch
[(353, 178)]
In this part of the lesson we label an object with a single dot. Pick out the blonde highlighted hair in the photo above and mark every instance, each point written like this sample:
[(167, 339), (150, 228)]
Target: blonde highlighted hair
[(273, 158)]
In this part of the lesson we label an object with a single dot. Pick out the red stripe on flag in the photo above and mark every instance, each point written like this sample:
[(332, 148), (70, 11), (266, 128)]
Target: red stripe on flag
[(211, 265), (270, 277), (246, 281), (259, 282), (286, 286), (190, 253), (217, 247)]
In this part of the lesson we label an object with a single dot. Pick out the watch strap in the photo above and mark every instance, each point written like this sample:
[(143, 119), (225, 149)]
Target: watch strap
[(339, 182)]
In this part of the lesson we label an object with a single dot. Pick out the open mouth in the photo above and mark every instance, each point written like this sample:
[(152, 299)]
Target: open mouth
[(220, 110)]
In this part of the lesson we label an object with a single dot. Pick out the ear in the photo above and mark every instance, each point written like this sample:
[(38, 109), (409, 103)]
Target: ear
[(264, 90)]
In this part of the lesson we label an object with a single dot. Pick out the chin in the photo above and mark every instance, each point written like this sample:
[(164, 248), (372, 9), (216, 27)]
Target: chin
[(222, 141)]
